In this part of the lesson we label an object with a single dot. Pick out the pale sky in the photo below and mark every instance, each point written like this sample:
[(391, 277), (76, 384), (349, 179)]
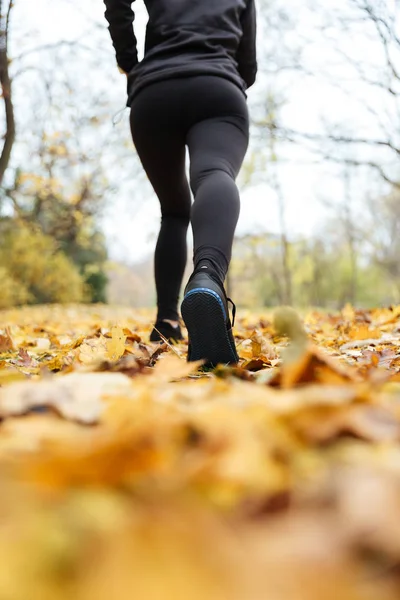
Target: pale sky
[(131, 223)]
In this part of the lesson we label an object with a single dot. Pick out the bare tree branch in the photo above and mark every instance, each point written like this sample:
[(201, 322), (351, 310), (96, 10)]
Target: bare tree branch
[(56, 46)]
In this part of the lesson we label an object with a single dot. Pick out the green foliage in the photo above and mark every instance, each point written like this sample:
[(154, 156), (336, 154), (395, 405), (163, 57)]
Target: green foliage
[(33, 270), (96, 283), (323, 274), (88, 251), (62, 199), (13, 292)]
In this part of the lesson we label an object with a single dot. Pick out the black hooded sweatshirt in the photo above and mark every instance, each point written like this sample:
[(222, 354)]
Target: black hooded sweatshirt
[(186, 38)]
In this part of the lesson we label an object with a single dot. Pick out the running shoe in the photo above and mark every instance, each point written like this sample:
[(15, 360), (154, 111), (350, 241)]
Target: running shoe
[(206, 316), (163, 330)]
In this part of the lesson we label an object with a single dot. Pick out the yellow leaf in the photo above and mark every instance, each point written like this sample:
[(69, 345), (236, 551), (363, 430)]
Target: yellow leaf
[(256, 346), (171, 367), (116, 345)]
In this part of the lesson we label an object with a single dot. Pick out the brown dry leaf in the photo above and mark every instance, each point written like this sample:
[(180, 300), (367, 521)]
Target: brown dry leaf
[(131, 336), (257, 352), (24, 359), (6, 342), (314, 366), (128, 365), (255, 364), (302, 361)]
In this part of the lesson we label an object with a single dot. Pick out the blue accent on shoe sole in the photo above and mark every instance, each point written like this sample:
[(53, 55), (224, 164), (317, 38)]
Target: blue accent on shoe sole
[(208, 291)]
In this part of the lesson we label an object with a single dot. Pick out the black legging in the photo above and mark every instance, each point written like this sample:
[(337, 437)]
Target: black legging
[(209, 115)]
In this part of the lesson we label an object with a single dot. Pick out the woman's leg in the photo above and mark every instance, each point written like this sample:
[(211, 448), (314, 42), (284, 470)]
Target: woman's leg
[(217, 141), (217, 138), (217, 149), (160, 142)]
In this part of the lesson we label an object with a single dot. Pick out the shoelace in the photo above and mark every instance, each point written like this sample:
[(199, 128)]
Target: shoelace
[(233, 310), (212, 275)]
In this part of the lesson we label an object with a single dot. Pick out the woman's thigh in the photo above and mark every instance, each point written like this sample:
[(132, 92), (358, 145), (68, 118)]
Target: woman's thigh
[(160, 141), (207, 113), (211, 97)]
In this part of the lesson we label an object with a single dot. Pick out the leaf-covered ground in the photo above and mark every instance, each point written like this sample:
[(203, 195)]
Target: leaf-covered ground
[(127, 473)]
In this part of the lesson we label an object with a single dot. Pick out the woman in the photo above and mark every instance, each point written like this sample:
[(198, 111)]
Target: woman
[(189, 91)]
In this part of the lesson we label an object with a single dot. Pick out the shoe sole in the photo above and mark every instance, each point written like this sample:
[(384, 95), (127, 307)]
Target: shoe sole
[(205, 319)]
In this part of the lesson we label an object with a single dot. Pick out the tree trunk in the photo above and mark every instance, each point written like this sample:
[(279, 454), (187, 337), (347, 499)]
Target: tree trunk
[(5, 83), (351, 239), (286, 272)]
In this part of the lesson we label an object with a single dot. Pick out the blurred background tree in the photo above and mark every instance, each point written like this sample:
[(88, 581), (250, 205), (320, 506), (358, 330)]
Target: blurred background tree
[(51, 173)]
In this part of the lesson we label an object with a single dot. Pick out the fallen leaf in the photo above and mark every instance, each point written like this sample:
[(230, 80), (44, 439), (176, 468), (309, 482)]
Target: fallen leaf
[(78, 396), (324, 425), (364, 332), (93, 351), (169, 368), (6, 342), (116, 345)]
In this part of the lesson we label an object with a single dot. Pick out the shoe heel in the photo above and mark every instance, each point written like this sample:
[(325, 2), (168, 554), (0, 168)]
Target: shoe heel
[(205, 319)]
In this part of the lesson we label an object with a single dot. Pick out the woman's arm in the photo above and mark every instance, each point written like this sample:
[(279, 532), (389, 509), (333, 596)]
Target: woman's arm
[(247, 54), (120, 17)]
